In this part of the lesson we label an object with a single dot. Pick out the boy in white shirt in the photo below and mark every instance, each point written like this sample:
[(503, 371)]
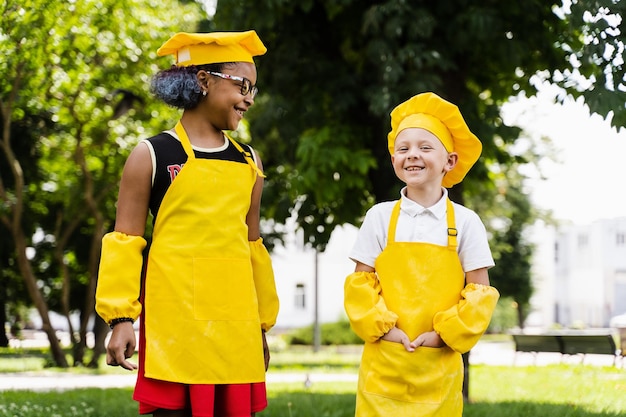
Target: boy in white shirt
[(420, 293)]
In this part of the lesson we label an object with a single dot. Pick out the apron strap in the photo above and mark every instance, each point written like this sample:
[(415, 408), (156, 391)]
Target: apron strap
[(393, 222), (452, 232), (184, 140)]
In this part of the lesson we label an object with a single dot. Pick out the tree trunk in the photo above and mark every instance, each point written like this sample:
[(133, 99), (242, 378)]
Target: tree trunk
[(38, 300), (100, 332), (14, 224), (92, 200), (65, 293), (89, 307), (4, 339), (521, 313), (466, 369)]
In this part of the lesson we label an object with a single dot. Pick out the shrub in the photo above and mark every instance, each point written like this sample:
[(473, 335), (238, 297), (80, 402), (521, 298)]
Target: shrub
[(337, 333)]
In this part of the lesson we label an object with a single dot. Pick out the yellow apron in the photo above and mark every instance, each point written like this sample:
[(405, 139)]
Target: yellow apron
[(201, 313), (417, 281)]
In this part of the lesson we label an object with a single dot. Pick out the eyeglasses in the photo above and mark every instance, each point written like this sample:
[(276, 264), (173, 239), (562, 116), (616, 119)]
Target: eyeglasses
[(246, 84)]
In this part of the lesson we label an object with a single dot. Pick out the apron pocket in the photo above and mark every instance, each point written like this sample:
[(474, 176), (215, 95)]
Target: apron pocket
[(416, 377), (223, 289)]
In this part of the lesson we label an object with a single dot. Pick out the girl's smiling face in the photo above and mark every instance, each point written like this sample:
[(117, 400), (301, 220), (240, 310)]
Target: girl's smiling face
[(226, 105), (420, 160)]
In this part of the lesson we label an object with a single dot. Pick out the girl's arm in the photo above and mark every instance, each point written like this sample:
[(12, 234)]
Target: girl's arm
[(134, 194), (262, 270), (121, 262), (254, 213)]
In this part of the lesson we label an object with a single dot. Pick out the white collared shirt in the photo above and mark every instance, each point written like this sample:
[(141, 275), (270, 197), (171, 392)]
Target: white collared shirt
[(423, 224)]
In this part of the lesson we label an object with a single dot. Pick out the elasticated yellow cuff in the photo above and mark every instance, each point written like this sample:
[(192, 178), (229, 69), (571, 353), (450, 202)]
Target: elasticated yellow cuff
[(462, 325), (263, 274), (369, 317), (119, 276)]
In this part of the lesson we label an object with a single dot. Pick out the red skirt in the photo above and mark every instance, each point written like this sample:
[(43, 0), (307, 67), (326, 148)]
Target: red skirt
[(203, 400), (231, 400)]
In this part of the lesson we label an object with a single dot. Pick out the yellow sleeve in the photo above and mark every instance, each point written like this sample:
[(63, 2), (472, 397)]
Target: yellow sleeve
[(369, 317), (119, 276), (463, 324), (263, 274)]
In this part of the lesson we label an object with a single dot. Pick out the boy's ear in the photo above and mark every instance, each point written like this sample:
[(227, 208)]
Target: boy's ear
[(453, 158)]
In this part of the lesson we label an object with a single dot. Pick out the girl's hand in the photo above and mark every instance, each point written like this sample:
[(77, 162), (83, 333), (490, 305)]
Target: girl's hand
[(122, 346), (428, 339), (398, 336), (266, 351)]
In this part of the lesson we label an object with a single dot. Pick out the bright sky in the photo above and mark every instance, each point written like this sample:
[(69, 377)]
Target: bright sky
[(588, 182)]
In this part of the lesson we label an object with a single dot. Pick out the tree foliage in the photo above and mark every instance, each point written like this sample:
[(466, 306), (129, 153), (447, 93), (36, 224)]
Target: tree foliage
[(74, 92), (339, 67), (335, 69)]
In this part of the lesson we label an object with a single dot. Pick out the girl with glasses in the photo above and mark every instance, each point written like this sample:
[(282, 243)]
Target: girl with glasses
[(207, 296)]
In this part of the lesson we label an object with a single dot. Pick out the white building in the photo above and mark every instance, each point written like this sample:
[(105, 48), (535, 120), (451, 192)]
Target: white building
[(590, 273), (297, 278)]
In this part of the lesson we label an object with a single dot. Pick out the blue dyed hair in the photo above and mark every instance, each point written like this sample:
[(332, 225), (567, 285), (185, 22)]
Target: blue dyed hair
[(178, 86)]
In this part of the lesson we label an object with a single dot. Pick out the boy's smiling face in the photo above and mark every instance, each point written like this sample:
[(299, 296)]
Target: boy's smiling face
[(420, 160)]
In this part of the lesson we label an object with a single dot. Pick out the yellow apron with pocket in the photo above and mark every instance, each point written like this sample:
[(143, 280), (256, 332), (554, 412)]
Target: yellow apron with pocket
[(201, 313), (417, 280)]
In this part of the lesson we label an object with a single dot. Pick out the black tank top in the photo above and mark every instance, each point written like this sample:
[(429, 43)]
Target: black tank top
[(170, 157)]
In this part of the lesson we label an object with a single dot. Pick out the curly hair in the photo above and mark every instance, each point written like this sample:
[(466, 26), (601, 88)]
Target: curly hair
[(178, 86)]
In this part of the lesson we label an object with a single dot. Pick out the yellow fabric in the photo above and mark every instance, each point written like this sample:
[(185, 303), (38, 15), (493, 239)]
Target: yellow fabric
[(369, 317), (209, 48), (119, 276), (430, 123), (465, 143), (417, 280), (462, 325), (394, 382), (201, 312), (263, 274)]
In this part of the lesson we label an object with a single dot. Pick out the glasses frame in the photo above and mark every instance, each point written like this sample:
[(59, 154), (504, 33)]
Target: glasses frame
[(246, 84)]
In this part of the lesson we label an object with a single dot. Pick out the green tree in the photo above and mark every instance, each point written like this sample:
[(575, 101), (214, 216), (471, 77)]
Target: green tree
[(26, 50), (509, 214), (84, 67), (335, 69)]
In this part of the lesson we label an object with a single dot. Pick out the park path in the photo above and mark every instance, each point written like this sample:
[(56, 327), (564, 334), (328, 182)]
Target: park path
[(487, 353)]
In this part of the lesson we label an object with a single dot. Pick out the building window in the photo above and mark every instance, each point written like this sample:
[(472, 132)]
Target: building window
[(556, 251), (300, 299), (620, 239)]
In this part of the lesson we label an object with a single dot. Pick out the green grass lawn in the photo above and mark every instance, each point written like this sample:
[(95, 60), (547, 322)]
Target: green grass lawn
[(572, 390)]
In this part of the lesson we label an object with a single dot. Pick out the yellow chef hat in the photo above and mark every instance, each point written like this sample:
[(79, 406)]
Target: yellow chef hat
[(444, 120), (210, 48)]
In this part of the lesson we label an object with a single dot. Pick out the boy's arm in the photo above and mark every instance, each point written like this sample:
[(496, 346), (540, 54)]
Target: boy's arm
[(369, 317), (464, 323)]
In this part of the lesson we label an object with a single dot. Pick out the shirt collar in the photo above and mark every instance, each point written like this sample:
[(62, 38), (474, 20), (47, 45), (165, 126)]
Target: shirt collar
[(412, 208)]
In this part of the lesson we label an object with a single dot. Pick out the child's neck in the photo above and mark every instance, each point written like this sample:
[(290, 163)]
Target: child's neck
[(424, 196), (201, 133)]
